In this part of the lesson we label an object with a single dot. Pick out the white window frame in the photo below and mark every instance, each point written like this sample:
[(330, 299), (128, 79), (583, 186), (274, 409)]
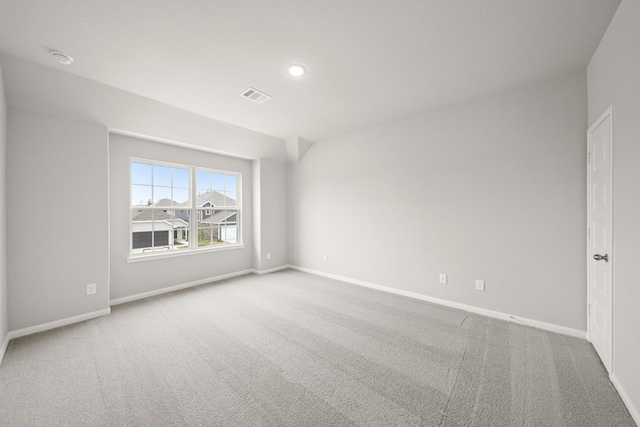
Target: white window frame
[(192, 212)]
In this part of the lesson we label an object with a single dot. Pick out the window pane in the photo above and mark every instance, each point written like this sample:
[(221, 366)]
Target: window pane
[(181, 229), (181, 197), (140, 173), (217, 182), (140, 195), (204, 196), (153, 231), (203, 180), (228, 231), (162, 208), (218, 198), (208, 227), (142, 241), (180, 178), (162, 196), (231, 199), (162, 176), (139, 216), (231, 183), (205, 236), (161, 239)]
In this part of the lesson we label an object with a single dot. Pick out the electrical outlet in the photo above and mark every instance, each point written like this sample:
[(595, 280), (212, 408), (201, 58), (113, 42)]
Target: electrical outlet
[(480, 285), (268, 255), (443, 279), (325, 258), (91, 289)]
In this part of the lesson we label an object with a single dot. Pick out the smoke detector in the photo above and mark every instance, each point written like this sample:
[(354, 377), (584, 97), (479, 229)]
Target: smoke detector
[(61, 58), (255, 95)]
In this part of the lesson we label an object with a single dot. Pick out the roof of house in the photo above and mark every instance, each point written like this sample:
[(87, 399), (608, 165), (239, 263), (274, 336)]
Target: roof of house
[(216, 198), (152, 214), (149, 215), (163, 202), (218, 217)]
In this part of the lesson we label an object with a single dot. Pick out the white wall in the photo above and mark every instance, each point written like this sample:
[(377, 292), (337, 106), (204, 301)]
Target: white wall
[(270, 210), (129, 279), (36, 87), (56, 218), (49, 101), (492, 189), (614, 79), (4, 319)]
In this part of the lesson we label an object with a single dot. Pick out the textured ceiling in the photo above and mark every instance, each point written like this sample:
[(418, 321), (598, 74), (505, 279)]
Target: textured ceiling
[(368, 61)]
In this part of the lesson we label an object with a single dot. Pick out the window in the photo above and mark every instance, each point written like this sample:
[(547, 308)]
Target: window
[(217, 205), (165, 196)]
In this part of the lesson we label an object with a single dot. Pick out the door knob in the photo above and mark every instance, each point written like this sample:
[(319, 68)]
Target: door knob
[(599, 257)]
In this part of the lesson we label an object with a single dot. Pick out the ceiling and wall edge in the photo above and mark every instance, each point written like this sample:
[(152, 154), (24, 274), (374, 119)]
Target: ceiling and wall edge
[(35, 87)]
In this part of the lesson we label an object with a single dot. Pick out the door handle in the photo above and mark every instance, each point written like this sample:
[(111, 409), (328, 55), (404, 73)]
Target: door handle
[(599, 257)]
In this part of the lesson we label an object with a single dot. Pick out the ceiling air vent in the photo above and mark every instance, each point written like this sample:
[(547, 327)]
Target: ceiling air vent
[(255, 95)]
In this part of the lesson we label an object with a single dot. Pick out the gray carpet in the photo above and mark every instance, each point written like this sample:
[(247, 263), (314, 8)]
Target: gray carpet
[(293, 349)]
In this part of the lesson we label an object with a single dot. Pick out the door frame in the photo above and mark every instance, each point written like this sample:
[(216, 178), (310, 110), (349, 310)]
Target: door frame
[(607, 114)]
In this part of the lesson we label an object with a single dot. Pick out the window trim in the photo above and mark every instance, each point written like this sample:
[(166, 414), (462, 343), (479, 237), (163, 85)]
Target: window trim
[(193, 225), (183, 252)]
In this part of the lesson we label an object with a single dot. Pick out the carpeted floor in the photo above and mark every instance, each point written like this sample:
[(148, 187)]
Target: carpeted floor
[(293, 349)]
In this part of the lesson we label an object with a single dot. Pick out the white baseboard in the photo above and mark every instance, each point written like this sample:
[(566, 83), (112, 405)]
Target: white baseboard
[(67, 321), (3, 347), (635, 414), (271, 270), (496, 314), (155, 292), (75, 319), (57, 323)]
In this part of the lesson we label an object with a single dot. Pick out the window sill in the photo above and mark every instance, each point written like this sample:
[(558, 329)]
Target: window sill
[(184, 252)]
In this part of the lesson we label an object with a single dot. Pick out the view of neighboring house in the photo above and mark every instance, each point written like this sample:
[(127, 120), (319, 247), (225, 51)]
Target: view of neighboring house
[(158, 228), (154, 229)]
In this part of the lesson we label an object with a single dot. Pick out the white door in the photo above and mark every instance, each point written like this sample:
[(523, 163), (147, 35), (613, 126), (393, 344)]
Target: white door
[(600, 259)]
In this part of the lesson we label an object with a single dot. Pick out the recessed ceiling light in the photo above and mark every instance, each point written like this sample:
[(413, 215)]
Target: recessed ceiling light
[(61, 58), (296, 70)]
